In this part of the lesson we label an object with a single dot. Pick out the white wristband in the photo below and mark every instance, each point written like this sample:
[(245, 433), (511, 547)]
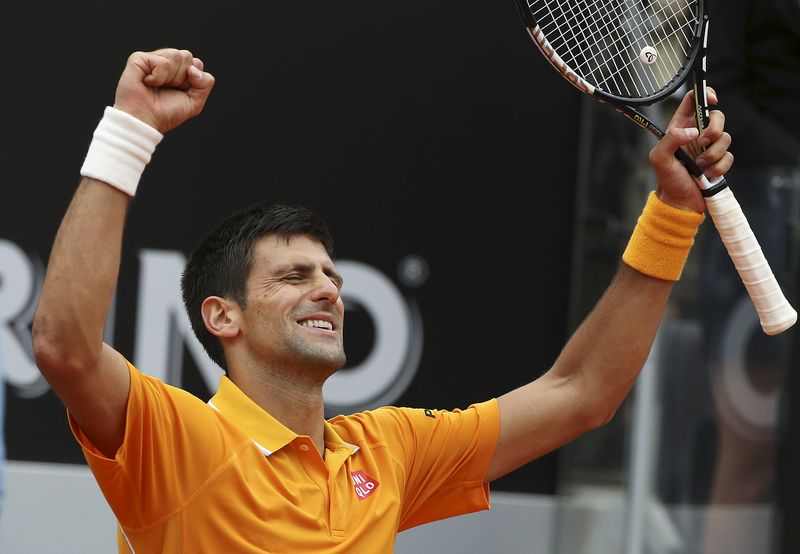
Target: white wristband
[(121, 148)]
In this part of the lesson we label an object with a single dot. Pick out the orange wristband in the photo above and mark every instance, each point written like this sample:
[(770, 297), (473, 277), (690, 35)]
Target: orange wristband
[(661, 240)]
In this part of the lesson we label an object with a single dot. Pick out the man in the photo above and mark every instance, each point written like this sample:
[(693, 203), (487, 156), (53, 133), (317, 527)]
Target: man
[(258, 469)]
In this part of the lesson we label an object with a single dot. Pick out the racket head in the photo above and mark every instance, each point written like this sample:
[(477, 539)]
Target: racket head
[(605, 47)]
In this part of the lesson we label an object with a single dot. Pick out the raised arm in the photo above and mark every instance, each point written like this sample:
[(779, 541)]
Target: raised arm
[(600, 363), (161, 89)]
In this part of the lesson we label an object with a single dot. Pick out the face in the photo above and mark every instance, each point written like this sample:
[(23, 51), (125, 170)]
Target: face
[(294, 314)]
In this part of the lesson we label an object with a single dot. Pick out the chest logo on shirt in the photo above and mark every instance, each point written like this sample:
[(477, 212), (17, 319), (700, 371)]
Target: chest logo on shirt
[(364, 484)]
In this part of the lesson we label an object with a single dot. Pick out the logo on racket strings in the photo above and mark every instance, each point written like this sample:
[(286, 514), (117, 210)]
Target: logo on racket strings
[(648, 55)]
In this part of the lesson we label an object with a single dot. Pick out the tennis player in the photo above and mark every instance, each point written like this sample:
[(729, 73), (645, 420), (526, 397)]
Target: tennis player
[(257, 468)]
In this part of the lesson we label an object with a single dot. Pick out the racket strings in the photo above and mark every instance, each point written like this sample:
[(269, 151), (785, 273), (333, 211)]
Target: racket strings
[(632, 35), (601, 40), (662, 37), (636, 22), (606, 55), (619, 60)]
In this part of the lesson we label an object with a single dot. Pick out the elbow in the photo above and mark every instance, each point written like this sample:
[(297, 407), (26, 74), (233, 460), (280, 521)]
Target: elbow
[(41, 347), (591, 420), (602, 417), (45, 354), (57, 353), (46, 349), (601, 413)]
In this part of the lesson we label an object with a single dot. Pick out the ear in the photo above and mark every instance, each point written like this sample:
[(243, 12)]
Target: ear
[(221, 316)]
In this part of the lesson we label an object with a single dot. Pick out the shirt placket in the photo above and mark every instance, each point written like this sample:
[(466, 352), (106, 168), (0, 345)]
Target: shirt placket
[(307, 453), (335, 462)]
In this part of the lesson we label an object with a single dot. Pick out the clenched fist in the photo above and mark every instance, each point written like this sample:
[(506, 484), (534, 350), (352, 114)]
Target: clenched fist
[(163, 88)]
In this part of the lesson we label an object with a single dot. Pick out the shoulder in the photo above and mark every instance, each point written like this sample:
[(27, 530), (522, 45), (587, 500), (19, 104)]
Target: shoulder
[(377, 425), (161, 411), (150, 390)]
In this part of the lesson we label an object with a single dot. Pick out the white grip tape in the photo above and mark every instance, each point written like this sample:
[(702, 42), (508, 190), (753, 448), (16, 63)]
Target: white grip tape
[(121, 148), (774, 311)]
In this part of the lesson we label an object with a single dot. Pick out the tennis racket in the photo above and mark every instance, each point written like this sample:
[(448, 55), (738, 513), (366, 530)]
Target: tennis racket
[(630, 53)]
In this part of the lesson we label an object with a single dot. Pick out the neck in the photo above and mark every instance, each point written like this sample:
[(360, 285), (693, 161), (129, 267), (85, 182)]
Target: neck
[(296, 404)]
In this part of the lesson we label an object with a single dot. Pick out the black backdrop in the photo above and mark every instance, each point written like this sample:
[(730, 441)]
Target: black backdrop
[(420, 128)]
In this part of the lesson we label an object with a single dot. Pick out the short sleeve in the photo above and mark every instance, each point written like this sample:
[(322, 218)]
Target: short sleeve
[(172, 446), (445, 455)]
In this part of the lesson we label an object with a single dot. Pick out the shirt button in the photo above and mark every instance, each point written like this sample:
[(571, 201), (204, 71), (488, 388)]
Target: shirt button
[(304, 447)]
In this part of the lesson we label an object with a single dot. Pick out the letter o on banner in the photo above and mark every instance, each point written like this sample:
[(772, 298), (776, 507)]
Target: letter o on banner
[(390, 366)]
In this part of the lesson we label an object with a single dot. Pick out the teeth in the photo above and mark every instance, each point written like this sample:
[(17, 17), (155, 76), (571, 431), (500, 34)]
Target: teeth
[(318, 323)]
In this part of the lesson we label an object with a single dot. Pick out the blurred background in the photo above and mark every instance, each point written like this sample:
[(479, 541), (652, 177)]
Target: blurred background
[(480, 207)]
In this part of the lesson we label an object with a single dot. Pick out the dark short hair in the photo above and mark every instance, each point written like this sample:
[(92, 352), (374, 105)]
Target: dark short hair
[(221, 263)]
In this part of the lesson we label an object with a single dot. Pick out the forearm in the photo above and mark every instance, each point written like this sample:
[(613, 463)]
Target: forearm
[(81, 276), (605, 355)]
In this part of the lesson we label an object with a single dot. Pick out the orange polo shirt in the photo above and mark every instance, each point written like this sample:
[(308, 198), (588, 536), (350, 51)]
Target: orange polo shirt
[(227, 477)]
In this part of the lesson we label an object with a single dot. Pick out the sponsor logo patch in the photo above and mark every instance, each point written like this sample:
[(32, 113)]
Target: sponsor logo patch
[(363, 484)]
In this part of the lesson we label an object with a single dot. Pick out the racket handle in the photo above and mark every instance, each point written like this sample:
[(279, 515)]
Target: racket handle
[(774, 311)]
